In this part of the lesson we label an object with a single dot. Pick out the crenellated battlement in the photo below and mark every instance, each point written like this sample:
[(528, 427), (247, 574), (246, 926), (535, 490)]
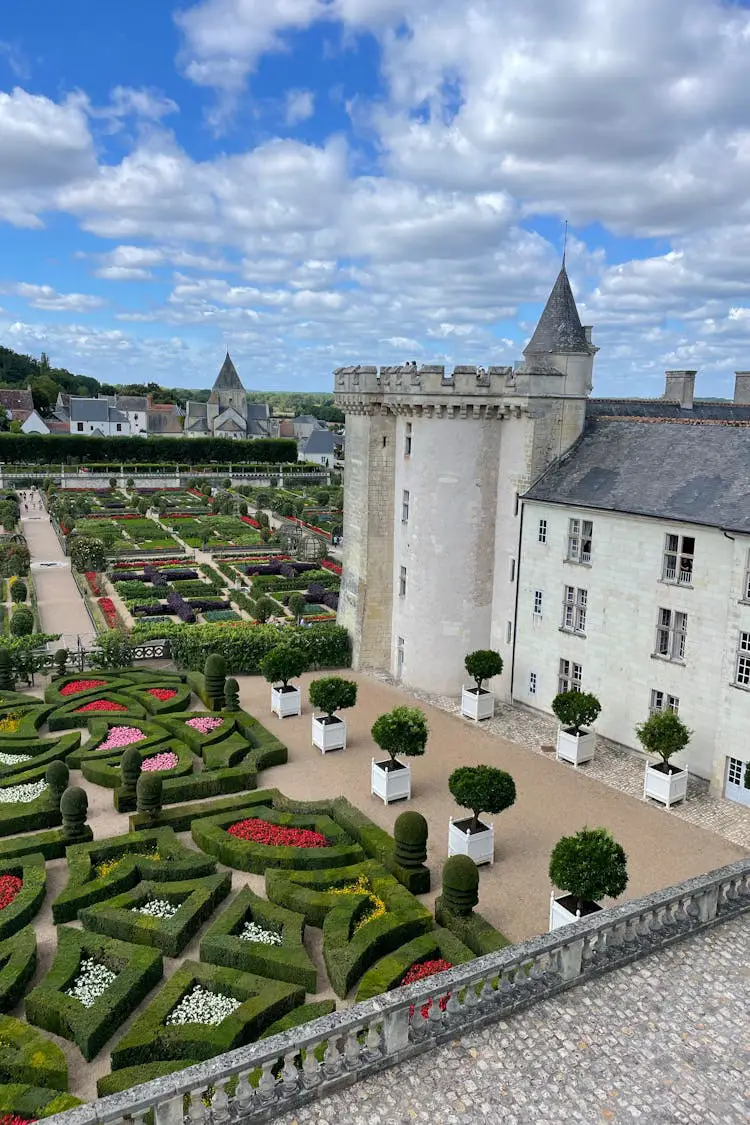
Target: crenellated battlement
[(429, 379)]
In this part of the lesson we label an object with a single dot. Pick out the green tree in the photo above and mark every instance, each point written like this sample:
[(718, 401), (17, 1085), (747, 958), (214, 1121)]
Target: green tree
[(22, 622), (589, 865), (401, 731), (284, 663), (333, 693), (113, 650), (663, 734), (576, 709), (297, 605), (482, 789), (483, 665), (87, 554)]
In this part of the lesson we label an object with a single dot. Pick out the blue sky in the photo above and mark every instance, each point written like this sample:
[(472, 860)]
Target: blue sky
[(322, 182)]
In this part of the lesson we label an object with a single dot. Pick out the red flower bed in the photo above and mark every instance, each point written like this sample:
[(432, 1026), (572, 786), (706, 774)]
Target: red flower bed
[(15, 1118), (93, 581), (261, 832), (422, 972), (250, 520), (332, 566), (107, 606), (101, 705), (75, 687), (312, 527), (161, 693), (10, 885)]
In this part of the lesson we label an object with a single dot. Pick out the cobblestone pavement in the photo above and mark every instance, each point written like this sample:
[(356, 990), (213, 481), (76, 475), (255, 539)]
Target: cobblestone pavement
[(614, 765), (664, 1041)]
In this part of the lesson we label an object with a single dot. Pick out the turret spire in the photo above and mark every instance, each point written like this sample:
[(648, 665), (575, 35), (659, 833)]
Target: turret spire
[(559, 330)]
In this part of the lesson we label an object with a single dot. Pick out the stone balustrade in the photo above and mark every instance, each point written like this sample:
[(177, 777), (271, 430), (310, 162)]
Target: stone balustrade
[(257, 1082)]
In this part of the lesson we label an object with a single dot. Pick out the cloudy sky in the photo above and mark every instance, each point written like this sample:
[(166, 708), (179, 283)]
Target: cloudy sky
[(323, 182)]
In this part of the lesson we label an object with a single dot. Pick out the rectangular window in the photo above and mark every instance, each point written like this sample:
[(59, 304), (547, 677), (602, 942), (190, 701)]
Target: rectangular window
[(405, 506), (662, 701), (742, 670), (580, 533), (399, 657), (538, 599), (118, 426), (574, 609), (515, 505), (746, 593), (512, 570), (407, 440), (677, 565), (508, 632), (79, 427), (542, 533), (532, 683), (402, 582), (569, 676), (735, 771), (671, 630)]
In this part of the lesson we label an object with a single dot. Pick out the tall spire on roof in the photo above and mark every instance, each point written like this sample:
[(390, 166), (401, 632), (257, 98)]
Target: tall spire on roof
[(559, 330), (228, 379)]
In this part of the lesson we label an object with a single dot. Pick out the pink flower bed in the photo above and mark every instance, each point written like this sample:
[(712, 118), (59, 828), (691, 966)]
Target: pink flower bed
[(204, 724), (120, 737), (166, 761), (75, 687)]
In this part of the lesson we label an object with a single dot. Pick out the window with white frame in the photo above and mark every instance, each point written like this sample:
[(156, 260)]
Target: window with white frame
[(542, 532), (512, 570), (407, 440), (532, 683), (671, 630), (574, 609), (402, 582), (662, 701), (742, 667), (580, 534), (677, 564), (569, 676), (405, 506), (538, 600), (735, 771)]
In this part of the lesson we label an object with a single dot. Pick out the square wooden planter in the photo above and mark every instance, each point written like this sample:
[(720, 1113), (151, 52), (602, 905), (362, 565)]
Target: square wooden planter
[(390, 784), (479, 846), (575, 748), (562, 914), (667, 788), (328, 736), (477, 705), (287, 703)]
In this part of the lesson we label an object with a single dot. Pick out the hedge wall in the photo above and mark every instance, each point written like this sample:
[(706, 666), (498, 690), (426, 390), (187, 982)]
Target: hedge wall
[(390, 971), (17, 966), (130, 1076), (180, 817), (471, 929), (111, 682), (177, 725), (154, 731), (106, 771), (244, 646), (43, 812), (25, 906), (30, 719), (67, 715), (28, 1056), (38, 449), (197, 786), (47, 1006), (51, 844), (42, 751), (34, 1102)]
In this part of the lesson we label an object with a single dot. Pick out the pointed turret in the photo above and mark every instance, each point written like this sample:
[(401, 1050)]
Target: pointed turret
[(228, 379), (559, 331)]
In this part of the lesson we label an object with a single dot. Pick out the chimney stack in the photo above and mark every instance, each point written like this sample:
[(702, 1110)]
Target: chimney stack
[(680, 387), (587, 330), (742, 388)]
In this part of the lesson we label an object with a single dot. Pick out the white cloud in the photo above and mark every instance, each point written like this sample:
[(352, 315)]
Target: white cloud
[(47, 298), (148, 103), (300, 106)]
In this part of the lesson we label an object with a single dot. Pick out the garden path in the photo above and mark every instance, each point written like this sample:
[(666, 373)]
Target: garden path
[(61, 607)]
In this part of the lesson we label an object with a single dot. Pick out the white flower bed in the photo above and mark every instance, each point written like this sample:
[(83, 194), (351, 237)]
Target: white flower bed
[(201, 1006), (157, 908), (22, 794), (251, 931), (92, 981), (14, 759)]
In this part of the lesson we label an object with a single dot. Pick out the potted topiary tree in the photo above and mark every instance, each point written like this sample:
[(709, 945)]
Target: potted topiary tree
[(478, 702), (664, 734), (481, 789), (331, 694), (284, 663), (402, 731), (575, 710), (588, 866)]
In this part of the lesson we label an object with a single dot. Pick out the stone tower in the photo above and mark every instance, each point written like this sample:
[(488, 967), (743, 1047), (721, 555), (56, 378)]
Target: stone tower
[(227, 392), (434, 467)]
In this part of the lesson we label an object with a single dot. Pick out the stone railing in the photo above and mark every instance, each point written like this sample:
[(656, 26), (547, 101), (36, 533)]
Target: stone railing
[(265, 1079)]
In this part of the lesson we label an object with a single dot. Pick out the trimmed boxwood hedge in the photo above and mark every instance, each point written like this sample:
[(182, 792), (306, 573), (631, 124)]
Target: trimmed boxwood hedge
[(130, 1076), (34, 1102), (211, 836), (471, 929), (229, 751), (42, 751), (31, 718), (43, 812), (84, 887), (66, 715), (196, 900), (268, 750), (99, 729), (17, 966), (50, 844), (222, 945), (315, 1010), (30, 1057), (180, 817), (113, 681), (25, 906), (194, 786), (391, 970), (244, 646), (150, 1039), (106, 771), (47, 1006)]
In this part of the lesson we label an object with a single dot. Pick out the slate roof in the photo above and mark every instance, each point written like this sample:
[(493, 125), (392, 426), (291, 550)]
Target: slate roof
[(13, 399), (94, 410), (321, 441), (259, 411), (228, 379), (559, 330), (134, 403), (196, 415), (306, 420), (686, 470), (665, 408)]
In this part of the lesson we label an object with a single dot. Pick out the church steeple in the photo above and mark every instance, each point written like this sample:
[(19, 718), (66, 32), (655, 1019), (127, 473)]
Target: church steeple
[(559, 331), (228, 379)]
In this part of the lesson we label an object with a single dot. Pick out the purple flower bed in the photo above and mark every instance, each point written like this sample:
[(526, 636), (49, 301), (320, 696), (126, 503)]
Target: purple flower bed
[(180, 575), (180, 607), (264, 568), (155, 610), (151, 574), (287, 570)]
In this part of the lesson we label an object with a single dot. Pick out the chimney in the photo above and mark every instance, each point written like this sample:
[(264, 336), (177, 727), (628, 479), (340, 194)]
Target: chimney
[(587, 330), (680, 387), (742, 388)]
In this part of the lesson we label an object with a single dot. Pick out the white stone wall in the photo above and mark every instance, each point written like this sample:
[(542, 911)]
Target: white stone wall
[(625, 592)]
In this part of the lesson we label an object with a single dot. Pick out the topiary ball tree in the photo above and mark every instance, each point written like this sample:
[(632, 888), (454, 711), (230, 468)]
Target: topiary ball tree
[(148, 794), (231, 695), (410, 833), (576, 710), (130, 770), (74, 806), (589, 866), (483, 665), (402, 731), (215, 671), (482, 789), (22, 621), (7, 682), (663, 734), (18, 591), (57, 777), (460, 884), (264, 609), (283, 663), (61, 659), (333, 693)]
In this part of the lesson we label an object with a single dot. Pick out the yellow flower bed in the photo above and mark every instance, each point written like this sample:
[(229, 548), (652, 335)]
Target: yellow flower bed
[(109, 865), (377, 907), (9, 725)]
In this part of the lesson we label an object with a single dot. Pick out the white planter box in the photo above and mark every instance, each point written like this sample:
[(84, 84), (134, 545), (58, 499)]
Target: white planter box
[(559, 915), (575, 748), (479, 846), (285, 704), (328, 736), (390, 785), (477, 706), (668, 788)]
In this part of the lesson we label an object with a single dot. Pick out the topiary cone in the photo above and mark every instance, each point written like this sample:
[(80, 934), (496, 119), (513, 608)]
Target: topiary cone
[(460, 884), (148, 794), (57, 778), (231, 695), (74, 806), (410, 834), (215, 672), (130, 770)]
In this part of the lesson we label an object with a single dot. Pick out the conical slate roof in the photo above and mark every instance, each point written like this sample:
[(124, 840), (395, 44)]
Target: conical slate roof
[(559, 329), (228, 379)]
